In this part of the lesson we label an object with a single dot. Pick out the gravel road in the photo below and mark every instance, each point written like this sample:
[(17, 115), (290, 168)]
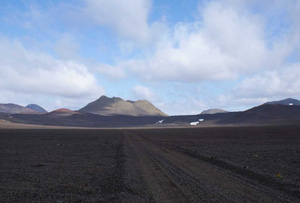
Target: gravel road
[(172, 176)]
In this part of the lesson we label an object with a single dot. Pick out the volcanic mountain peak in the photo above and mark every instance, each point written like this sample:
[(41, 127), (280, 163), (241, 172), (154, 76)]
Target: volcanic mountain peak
[(103, 97), (288, 101), (15, 109), (213, 111), (117, 106), (37, 108)]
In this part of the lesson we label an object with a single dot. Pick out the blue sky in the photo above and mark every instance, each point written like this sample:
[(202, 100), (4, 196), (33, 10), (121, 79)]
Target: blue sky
[(184, 56)]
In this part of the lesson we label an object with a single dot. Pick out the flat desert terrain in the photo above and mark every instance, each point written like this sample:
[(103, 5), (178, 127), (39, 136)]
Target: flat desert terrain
[(216, 164)]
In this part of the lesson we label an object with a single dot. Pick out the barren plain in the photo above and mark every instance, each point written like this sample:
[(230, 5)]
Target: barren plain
[(216, 164)]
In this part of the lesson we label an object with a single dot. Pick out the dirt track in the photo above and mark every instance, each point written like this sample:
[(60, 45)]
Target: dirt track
[(176, 177), (136, 166)]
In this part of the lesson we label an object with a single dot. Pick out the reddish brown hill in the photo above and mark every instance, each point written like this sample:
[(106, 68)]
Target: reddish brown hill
[(63, 111)]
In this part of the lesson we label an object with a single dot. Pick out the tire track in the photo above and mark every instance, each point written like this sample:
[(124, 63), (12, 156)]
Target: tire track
[(175, 177), (114, 181), (238, 171), (158, 185)]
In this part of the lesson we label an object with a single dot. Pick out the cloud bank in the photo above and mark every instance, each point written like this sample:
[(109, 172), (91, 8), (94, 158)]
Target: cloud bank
[(223, 45), (26, 71)]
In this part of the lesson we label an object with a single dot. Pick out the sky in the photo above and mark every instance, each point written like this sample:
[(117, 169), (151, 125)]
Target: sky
[(184, 56)]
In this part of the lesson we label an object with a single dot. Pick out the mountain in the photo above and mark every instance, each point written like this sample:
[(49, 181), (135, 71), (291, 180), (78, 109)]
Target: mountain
[(37, 108), (213, 111), (63, 112), (266, 114), (15, 109), (117, 106), (288, 101)]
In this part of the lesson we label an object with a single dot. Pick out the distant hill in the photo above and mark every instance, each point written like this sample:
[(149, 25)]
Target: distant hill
[(213, 111), (15, 109), (63, 112), (288, 101), (117, 106), (37, 108), (270, 114)]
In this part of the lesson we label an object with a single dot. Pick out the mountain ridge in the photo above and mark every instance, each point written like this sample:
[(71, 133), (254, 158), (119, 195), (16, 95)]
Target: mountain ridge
[(11, 108), (117, 106), (288, 101), (264, 114), (37, 108)]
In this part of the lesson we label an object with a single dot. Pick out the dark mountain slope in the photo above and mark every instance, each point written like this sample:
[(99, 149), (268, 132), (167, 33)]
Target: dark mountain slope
[(37, 108), (268, 113), (264, 114), (288, 101)]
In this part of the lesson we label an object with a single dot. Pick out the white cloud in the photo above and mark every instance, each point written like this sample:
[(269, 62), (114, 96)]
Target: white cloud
[(142, 92), (25, 71), (223, 45), (296, 25), (113, 72), (281, 83), (66, 47), (129, 18), (265, 86)]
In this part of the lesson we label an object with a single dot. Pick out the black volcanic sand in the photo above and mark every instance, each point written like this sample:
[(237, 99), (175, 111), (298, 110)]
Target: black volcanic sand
[(239, 164)]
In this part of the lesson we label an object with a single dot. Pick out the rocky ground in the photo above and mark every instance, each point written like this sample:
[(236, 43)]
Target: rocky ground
[(237, 164)]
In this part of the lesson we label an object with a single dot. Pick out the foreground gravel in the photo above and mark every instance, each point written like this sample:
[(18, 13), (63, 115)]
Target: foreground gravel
[(247, 164)]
